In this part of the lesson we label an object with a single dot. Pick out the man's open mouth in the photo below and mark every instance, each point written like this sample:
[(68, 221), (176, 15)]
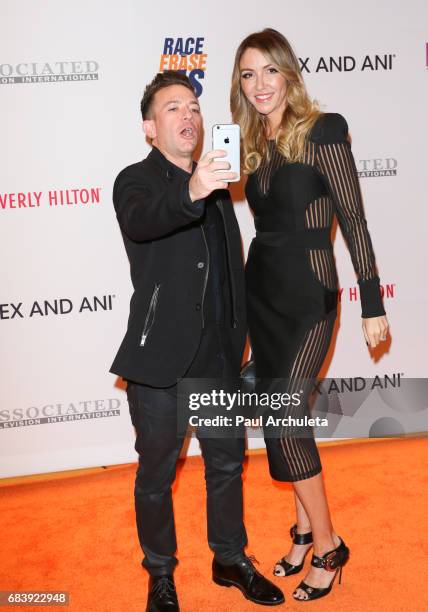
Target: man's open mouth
[(188, 132)]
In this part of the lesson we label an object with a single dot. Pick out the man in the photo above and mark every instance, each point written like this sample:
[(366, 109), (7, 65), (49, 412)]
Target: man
[(187, 319)]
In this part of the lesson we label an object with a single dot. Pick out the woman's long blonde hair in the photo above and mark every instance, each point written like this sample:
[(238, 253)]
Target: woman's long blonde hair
[(300, 111)]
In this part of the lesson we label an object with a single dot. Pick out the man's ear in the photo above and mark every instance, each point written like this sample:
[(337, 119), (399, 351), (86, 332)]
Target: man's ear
[(149, 128)]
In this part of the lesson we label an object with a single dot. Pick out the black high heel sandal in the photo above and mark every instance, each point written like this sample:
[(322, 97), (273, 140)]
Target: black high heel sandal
[(283, 567), (332, 561)]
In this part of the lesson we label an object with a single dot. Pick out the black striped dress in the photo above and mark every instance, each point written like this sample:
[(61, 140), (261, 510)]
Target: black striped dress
[(291, 275)]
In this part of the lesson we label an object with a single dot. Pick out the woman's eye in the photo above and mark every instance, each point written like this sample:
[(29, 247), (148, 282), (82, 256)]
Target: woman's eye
[(246, 75), (272, 70)]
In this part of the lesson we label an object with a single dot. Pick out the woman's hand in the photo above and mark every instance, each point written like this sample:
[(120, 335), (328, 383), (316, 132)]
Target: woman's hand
[(375, 330)]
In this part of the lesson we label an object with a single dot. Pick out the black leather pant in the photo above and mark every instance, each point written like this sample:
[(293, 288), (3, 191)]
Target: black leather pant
[(154, 416)]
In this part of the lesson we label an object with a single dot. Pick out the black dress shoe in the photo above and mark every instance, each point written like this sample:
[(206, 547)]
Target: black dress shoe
[(162, 594), (249, 581)]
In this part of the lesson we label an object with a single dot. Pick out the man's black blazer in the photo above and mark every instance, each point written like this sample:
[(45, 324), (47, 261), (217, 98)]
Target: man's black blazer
[(169, 259)]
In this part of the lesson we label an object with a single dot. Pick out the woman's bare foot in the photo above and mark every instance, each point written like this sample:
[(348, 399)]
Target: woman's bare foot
[(296, 554), (318, 577)]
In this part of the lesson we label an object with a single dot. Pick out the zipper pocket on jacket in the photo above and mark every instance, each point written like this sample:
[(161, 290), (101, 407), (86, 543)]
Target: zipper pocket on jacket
[(150, 316)]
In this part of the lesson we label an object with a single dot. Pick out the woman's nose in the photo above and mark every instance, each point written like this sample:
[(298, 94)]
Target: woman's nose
[(260, 83)]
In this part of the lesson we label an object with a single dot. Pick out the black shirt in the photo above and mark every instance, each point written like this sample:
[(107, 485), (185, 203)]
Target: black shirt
[(211, 359)]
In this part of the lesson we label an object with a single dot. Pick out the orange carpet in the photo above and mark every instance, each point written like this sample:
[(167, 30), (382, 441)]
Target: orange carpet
[(77, 533)]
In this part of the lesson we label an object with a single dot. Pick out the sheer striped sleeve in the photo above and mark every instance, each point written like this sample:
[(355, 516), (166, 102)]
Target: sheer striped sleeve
[(336, 163)]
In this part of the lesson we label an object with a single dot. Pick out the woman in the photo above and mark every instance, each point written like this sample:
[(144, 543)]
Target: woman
[(301, 172)]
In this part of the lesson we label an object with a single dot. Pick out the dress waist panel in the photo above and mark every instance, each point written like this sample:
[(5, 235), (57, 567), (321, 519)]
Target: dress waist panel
[(300, 239)]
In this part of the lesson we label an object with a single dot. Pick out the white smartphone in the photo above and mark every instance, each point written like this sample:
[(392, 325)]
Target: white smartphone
[(227, 136)]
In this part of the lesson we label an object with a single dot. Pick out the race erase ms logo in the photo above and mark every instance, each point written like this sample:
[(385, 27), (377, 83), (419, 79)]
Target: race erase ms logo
[(186, 55)]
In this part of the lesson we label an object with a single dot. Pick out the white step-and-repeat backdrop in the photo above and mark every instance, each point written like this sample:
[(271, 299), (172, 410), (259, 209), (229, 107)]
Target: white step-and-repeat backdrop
[(71, 78)]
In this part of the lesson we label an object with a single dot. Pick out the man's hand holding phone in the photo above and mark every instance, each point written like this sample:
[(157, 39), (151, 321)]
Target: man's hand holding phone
[(210, 175)]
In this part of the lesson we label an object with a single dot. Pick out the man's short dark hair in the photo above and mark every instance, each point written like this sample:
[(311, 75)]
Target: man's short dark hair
[(161, 80)]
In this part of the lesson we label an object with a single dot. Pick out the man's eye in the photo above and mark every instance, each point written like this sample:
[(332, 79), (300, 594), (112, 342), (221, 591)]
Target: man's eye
[(196, 110), (173, 108)]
